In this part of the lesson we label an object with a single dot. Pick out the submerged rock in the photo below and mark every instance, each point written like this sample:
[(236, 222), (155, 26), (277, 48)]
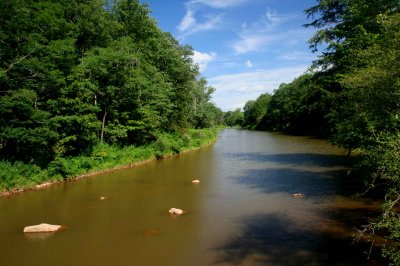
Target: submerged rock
[(41, 228), (175, 211), (151, 232)]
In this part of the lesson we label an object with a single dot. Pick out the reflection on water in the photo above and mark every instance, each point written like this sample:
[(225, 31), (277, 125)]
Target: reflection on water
[(242, 212)]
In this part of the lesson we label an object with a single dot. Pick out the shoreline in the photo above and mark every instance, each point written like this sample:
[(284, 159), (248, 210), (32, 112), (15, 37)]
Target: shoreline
[(47, 184)]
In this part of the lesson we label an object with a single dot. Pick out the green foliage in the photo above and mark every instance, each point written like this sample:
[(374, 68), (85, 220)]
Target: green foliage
[(360, 67), (173, 143), (73, 73), (299, 107), (383, 158), (234, 118), (19, 175), (346, 26), (371, 92), (25, 131), (167, 144), (80, 78), (254, 111), (104, 156), (204, 114)]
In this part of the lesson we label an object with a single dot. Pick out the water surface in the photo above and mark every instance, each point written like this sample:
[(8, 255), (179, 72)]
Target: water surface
[(242, 212)]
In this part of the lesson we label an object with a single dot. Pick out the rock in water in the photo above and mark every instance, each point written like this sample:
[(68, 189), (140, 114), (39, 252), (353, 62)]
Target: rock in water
[(196, 181), (175, 211), (41, 228), (43, 185)]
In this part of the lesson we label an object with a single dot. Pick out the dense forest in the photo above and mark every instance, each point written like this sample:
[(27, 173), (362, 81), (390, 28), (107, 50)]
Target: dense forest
[(351, 95), (77, 77)]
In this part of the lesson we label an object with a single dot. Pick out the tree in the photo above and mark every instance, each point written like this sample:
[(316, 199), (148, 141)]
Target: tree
[(26, 133), (346, 26), (87, 71), (202, 111), (300, 107), (254, 111), (371, 95), (132, 94), (349, 29), (362, 59), (234, 118)]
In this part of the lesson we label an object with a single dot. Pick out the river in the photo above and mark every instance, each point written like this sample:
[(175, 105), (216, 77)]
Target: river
[(241, 213)]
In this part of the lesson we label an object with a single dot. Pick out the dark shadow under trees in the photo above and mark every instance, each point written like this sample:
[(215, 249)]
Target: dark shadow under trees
[(273, 239)]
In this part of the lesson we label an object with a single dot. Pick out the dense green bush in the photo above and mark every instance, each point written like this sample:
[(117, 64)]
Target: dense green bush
[(20, 175), (102, 157), (383, 159)]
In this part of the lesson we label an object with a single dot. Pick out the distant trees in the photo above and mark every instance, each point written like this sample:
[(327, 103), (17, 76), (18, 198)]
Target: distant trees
[(299, 107), (254, 111), (76, 73), (234, 118)]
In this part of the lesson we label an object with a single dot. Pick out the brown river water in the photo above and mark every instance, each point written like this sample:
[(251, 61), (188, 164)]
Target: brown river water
[(241, 213)]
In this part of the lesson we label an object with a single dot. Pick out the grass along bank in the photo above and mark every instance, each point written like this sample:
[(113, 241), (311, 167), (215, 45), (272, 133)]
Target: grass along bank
[(18, 176)]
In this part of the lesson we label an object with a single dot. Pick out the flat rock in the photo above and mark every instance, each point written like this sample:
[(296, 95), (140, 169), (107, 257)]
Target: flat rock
[(43, 185), (42, 228), (175, 211), (196, 181)]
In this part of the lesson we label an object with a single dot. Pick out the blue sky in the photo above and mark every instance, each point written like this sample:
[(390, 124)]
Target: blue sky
[(244, 47)]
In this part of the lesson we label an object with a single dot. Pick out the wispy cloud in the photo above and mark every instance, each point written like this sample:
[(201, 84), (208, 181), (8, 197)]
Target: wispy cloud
[(256, 36), (297, 56), (202, 59), (196, 19), (190, 25), (236, 89), (251, 43), (219, 3), (187, 21)]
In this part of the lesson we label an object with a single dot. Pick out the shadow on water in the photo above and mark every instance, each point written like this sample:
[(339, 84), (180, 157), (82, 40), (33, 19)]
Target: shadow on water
[(326, 238), (274, 239), (304, 159), (311, 174), (309, 183)]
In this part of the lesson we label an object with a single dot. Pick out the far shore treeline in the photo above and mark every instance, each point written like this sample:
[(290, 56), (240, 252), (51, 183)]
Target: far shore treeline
[(351, 95), (82, 81)]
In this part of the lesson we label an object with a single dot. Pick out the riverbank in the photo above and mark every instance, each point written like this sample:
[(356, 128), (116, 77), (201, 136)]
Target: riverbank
[(18, 177)]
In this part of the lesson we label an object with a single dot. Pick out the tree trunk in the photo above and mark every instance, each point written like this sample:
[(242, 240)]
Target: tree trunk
[(349, 151), (103, 126)]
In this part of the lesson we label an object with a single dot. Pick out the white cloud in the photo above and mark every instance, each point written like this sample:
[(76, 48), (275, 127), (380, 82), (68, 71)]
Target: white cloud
[(202, 59), (219, 3), (249, 63), (271, 19), (235, 89), (190, 24), (251, 43), (209, 24), (187, 21)]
